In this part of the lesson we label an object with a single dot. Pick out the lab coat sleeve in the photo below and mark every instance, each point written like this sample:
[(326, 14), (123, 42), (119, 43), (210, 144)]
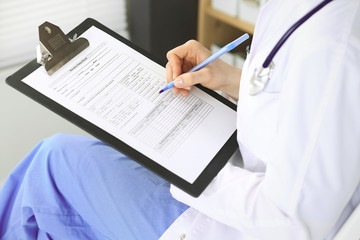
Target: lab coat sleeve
[(315, 168)]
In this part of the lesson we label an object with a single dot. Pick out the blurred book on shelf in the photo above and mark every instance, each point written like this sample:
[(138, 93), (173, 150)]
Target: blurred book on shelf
[(236, 59), (246, 10), (228, 7)]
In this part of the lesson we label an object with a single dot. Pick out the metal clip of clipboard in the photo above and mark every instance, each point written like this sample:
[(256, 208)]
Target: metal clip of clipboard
[(55, 49)]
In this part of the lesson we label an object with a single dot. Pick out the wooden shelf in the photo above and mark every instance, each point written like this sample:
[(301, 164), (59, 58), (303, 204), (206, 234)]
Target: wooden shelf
[(233, 21), (217, 27)]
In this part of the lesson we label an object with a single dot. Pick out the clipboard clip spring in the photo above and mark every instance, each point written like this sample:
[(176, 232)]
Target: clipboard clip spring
[(55, 49)]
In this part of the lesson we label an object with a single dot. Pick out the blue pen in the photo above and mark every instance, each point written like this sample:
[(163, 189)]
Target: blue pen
[(213, 57)]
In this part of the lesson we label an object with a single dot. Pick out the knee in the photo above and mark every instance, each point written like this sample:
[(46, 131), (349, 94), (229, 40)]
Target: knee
[(65, 148), (62, 142), (65, 154)]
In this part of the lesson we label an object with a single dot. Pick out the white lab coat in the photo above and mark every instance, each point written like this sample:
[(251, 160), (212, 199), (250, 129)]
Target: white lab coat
[(299, 138)]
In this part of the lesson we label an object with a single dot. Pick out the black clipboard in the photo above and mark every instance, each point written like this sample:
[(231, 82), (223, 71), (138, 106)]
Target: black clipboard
[(194, 189)]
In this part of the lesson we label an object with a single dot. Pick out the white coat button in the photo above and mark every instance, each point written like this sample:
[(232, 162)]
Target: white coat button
[(182, 237)]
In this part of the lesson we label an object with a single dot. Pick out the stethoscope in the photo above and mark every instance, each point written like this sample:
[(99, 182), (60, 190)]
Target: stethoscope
[(262, 75)]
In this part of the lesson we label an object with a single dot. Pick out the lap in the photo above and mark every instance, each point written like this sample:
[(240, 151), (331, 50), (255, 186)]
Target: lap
[(106, 192)]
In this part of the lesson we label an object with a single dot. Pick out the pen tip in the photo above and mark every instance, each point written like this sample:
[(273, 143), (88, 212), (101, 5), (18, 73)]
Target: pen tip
[(161, 91)]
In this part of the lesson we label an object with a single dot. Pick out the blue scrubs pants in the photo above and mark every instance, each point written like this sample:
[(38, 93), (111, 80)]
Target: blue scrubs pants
[(77, 187)]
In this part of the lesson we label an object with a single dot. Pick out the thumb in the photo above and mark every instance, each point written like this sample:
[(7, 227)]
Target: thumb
[(187, 80)]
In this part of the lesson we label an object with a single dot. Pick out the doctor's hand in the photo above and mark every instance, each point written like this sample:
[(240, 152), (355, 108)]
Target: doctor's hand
[(218, 75)]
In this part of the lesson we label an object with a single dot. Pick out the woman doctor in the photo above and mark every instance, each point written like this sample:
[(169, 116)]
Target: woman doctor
[(299, 138)]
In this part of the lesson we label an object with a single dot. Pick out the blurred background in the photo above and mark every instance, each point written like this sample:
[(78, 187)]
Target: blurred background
[(155, 25)]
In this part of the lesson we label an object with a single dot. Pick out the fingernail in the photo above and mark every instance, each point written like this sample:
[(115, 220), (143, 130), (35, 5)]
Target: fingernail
[(178, 82)]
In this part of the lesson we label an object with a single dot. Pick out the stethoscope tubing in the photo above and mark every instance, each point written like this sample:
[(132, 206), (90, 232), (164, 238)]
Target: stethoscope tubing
[(291, 30)]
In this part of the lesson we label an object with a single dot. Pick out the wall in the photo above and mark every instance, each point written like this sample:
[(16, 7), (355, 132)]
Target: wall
[(23, 124)]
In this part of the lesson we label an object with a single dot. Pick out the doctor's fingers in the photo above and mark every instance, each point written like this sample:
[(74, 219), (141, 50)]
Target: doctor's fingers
[(170, 76), (186, 56), (191, 51), (169, 73), (173, 69)]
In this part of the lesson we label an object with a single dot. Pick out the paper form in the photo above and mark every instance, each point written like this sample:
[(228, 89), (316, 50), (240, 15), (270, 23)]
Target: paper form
[(116, 88)]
